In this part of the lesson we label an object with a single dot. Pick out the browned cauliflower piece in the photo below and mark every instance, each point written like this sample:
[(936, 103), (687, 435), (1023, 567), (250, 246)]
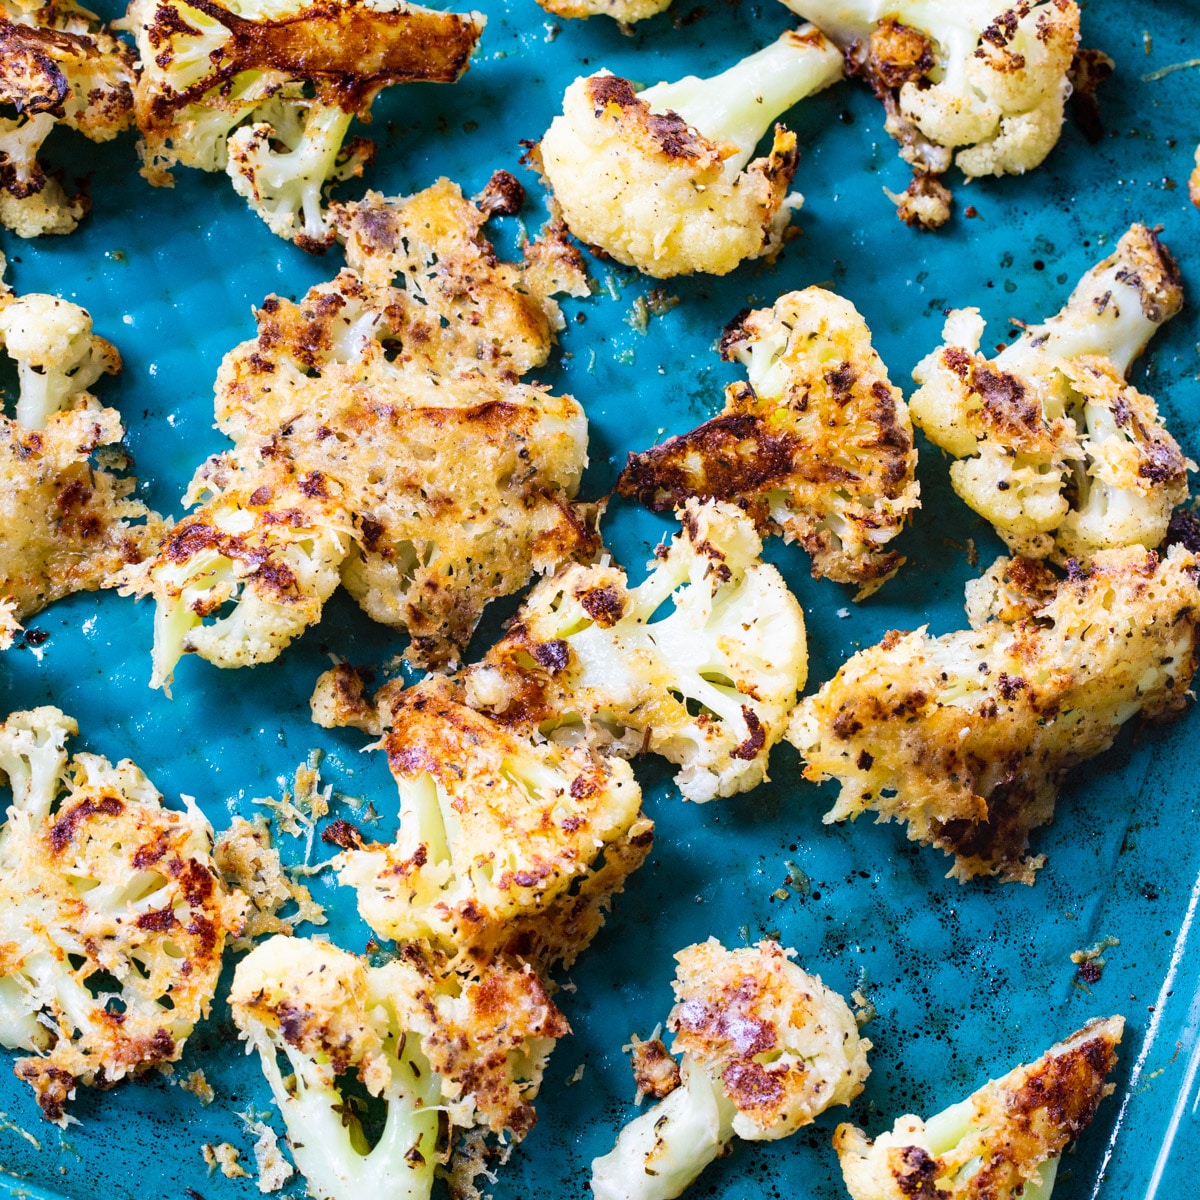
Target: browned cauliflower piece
[(112, 915), (817, 447), (1052, 445), (1001, 1143), (266, 89), (662, 179), (506, 844), (59, 65), (966, 736), (980, 83), (424, 1041), (627, 12), (384, 439), (766, 1048)]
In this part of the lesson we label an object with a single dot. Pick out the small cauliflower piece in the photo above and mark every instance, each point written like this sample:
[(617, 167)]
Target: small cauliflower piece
[(505, 844), (265, 90), (1194, 181), (662, 179), (817, 447), (966, 736), (627, 12), (766, 1049), (1002, 1143), (59, 65), (700, 663), (422, 1042), (112, 916), (981, 83), (1055, 449)]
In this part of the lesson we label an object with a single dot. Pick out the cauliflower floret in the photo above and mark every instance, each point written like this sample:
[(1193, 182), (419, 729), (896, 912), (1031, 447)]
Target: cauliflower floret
[(58, 65), (112, 915), (966, 736), (291, 84), (383, 439), (1054, 447), (983, 75), (399, 1027), (1002, 1143), (818, 446), (700, 663), (766, 1049), (627, 12), (504, 845), (659, 179)]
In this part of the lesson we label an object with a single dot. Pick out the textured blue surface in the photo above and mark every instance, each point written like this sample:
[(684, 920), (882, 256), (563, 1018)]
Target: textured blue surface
[(966, 980)]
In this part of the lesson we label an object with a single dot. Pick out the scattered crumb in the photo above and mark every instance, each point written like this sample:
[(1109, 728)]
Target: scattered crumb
[(274, 1170), (655, 1072), (864, 1009), (296, 812), (474, 1157), (972, 553), (198, 1085), (639, 315), (7, 1123), (843, 612), (1090, 963), (226, 1157), (576, 1075), (658, 301)]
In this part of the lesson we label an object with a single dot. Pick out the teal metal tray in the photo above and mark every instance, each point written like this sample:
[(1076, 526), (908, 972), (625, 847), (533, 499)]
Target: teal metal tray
[(966, 980)]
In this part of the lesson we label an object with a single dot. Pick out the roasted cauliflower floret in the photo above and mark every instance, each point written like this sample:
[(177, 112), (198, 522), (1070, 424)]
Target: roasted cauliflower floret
[(766, 1048), (505, 844), (817, 446), (383, 439), (1002, 1143), (112, 916), (700, 663), (59, 65), (627, 12), (266, 91), (981, 83), (1054, 447), (966, 736), (662, 179), (398, 1027)]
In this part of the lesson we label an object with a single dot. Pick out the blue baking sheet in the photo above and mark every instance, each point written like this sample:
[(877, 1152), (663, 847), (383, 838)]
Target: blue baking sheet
[(966, 981)]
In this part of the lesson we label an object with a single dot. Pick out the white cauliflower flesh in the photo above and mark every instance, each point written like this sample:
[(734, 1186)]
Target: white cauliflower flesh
[(700, 663), (627, 12), (266, 89), (384, 440), (1054, 448), (818, 447), (1002, 1143), (505, 844), (966, 736), (662, 179), (981, 83), (112, 915), (59, 65), (766, 1049), (424, 1046)]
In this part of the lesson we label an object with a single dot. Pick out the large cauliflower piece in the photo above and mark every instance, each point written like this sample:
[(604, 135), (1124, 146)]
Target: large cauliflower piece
[(817, 447), (266, 91), (384, 438), (59, 65), (112, 915), (966, 736), (981, 83), (505, 844), (766, 1049), (1002, 1143), (422, 1042), (66, 519), (1054, 447), (700, 663), (662, 179)]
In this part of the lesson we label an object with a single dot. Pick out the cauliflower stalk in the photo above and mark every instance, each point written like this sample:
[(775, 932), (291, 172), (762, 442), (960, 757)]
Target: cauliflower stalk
[(250, 89), (1053, 446), (980, 83), (766, 1048), (700, 663), (966, 736), (662, 179), (817, 447), (112, 915), (1003, 1142)]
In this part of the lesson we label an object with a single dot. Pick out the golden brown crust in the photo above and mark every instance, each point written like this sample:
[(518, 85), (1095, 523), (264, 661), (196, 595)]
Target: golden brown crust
[(655, 1072)]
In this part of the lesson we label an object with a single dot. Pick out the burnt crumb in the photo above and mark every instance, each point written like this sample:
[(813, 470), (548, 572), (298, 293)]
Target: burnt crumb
[(343, 834), (1090, 971), (36, 637), (503, 195)]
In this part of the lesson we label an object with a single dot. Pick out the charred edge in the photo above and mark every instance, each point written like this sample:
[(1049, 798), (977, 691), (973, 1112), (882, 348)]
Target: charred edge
[(342, 834)]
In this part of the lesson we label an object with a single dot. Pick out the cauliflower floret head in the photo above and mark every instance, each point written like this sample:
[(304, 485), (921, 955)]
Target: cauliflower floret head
[(659, 180), (817, 447), (112, 915), (1003, 1142)]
